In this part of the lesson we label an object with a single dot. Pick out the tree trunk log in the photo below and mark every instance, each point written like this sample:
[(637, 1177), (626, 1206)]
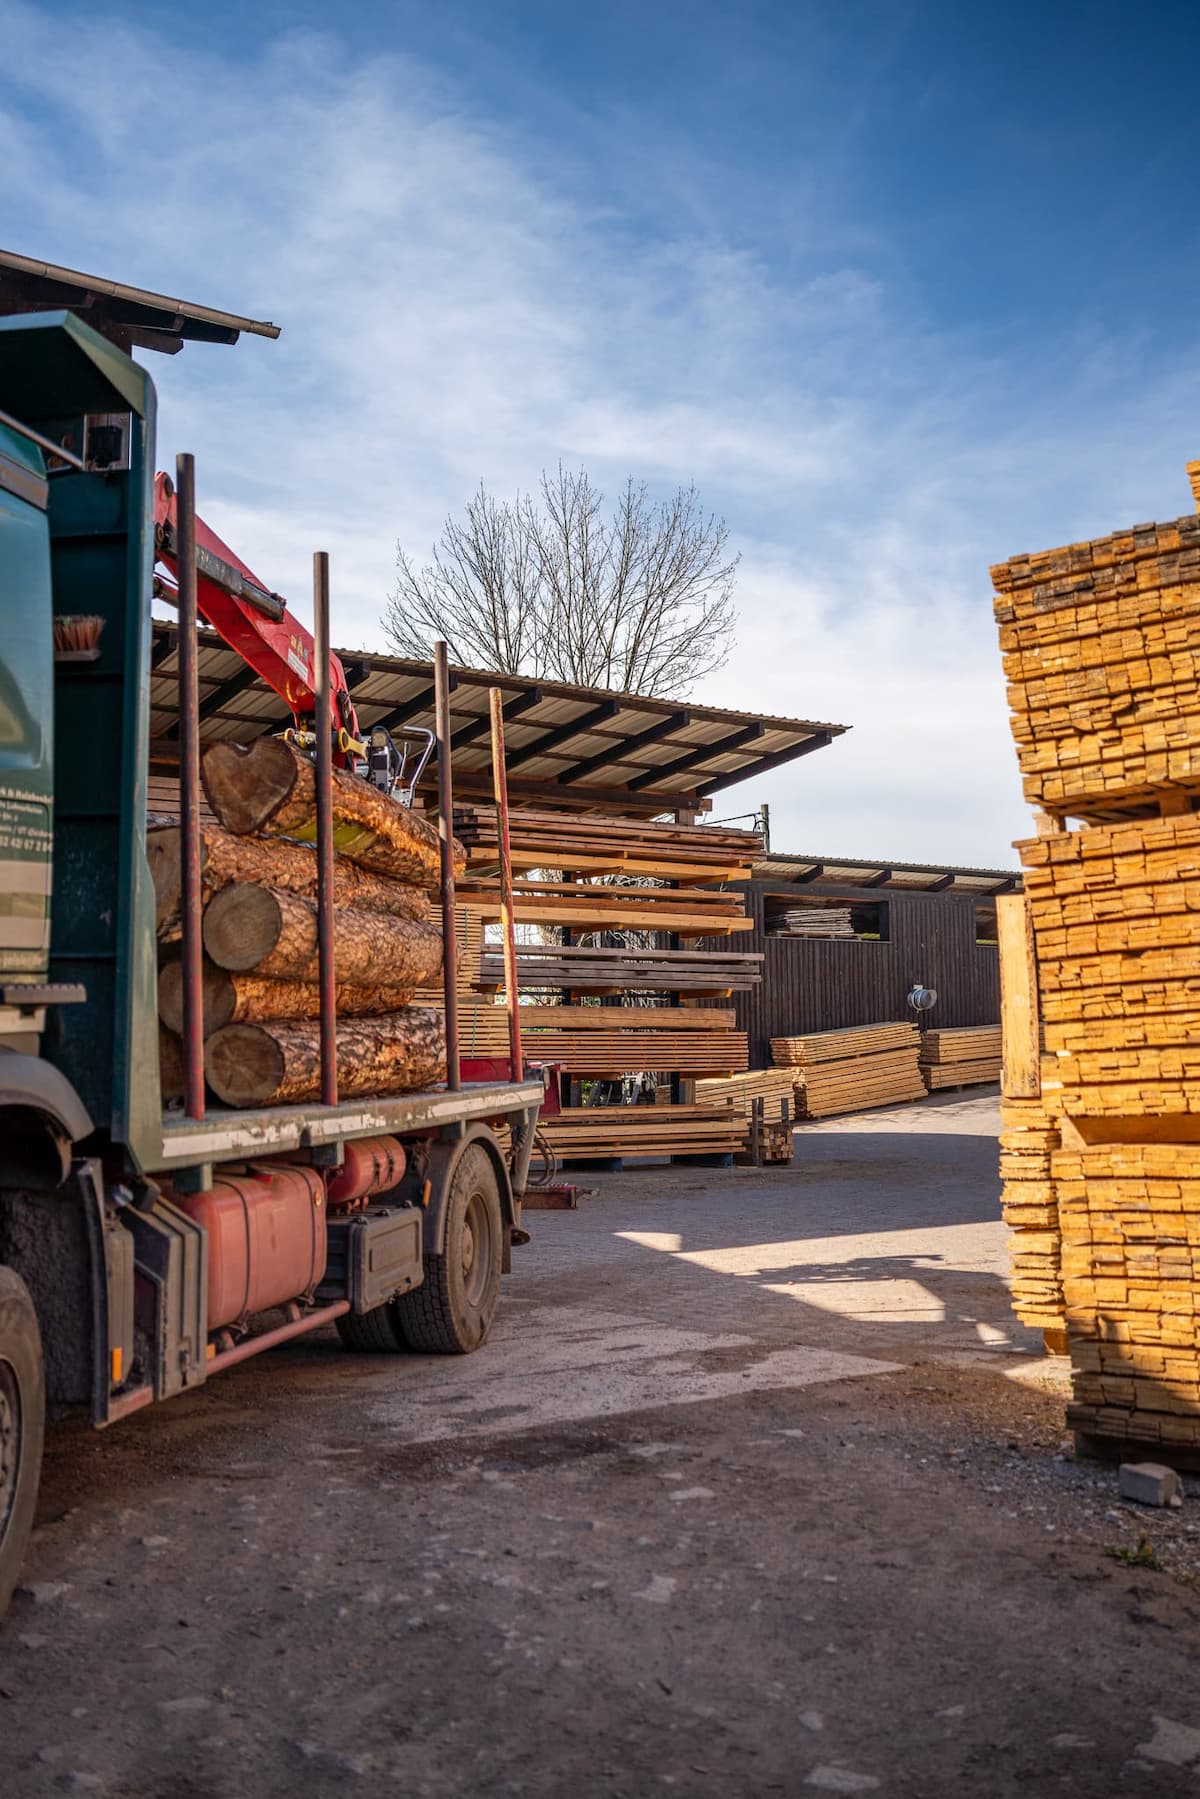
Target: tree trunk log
[(231, 998), (288, 867), (170, 1066), (275, 934), (268, 786), (279, 1064)]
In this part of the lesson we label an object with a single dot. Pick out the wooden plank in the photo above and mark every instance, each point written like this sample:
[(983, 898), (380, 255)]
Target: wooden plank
[(1020, 1017)]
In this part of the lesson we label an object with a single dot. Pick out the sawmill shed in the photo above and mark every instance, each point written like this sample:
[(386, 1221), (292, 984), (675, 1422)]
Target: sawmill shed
[(845, 939)]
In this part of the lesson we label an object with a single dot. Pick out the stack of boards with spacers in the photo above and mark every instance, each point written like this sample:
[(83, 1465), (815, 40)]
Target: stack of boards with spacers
[(259, 886), (1100, 969)]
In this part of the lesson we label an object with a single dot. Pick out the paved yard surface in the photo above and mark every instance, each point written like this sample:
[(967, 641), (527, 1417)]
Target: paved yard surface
[(758, 1488)]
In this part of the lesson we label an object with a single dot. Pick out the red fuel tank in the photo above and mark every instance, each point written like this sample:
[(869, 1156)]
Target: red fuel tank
[(372, 1165), (266, 1239)]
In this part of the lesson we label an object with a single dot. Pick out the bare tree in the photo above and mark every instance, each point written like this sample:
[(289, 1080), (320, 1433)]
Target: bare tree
[(639, 599)]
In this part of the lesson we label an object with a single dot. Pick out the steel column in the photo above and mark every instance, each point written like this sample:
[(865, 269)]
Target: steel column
[(322, 724), (189, 791), (441, 731)]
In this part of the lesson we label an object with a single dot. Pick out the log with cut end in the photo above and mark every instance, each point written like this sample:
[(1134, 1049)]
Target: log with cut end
[(235, 998), (269, 786), (271, 862), (280, 1063), (275, 934)]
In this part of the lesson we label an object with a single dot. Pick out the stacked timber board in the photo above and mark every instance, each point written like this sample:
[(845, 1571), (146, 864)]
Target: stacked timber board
[(260, 934), (599, 906), (615, 1133), (689, 855), (812, 921), (966, 1056), (620, 891), (1102, 649), (852, 1070), (771, 1085), (1101, 646), (585, 969), (1029, 1204)]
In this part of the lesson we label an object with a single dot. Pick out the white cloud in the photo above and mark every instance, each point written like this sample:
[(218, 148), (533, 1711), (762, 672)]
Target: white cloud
[(457, 306)]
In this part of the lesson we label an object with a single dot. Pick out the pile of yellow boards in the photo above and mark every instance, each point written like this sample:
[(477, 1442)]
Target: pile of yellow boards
[(613, 1133), (1028, 1141), (963, 1056), (852, 1070), (1102, 652), (771, 1085)]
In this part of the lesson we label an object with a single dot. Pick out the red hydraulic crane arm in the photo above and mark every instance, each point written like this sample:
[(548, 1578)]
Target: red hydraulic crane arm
[(256, 623)]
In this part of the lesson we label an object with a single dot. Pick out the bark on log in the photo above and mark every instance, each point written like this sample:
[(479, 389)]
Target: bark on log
[(235, 998), (280, 1064), (288, 867), (275, 934), (170, 1066), (269, 786)]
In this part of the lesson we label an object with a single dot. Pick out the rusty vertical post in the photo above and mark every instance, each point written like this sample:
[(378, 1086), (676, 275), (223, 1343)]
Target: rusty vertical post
[(189, 790), (323, 725), (507, 917), (441, 727)]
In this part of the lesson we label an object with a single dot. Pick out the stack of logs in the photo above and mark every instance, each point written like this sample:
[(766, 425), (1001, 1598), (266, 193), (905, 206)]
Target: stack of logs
[(1101, 644), (259, 881)]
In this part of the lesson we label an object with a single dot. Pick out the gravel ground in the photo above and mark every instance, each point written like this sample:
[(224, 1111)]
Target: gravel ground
[(756, 1490)]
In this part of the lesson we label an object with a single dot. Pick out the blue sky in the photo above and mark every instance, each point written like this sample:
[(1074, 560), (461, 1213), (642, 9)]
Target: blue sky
[(904, 288)]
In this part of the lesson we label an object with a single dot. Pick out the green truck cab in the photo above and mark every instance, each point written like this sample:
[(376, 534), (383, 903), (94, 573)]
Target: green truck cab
[(115, 1279)]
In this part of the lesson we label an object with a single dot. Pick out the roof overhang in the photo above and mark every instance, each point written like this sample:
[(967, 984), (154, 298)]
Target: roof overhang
[(908, 877), (578, 748), (131, 317)]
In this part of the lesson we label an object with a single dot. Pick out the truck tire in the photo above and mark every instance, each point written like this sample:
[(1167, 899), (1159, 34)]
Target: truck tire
[(371, 1333), (22, 1425), (451, 1312)]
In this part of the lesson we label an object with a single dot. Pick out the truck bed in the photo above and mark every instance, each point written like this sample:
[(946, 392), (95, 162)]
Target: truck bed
[(224, 1135)]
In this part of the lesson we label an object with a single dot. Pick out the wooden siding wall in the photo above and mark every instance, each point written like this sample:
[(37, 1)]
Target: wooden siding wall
[(824, 985)]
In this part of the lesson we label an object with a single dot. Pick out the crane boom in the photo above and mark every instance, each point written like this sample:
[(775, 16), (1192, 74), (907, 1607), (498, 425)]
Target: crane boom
[(256, 622)]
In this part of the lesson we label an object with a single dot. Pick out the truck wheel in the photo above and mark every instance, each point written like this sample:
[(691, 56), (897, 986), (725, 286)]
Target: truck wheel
[(371, 1333), (452, 1311), (22, 1425)]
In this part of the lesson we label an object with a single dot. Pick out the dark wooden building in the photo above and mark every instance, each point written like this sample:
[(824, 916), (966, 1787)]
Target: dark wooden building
[(896, 927)]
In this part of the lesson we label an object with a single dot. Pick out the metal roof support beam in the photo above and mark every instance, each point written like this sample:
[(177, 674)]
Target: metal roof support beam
[(818, 741), (220, 696), (164, 649), (941, 885), (812, 874), (478, 727), (563, 733), (724, 746), (879, 880), (400, 715), (623, 747), (1004, 887)]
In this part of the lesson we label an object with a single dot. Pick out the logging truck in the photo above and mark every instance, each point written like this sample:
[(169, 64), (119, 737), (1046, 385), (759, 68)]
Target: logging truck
[(147, 1246)]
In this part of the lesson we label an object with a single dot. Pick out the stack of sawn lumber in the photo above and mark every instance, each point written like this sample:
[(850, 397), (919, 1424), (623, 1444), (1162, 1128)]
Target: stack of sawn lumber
[(852, 1070), (1102, 651), (590, 844), (812, 921), (1028, 1201), (610, 1041), (771, 1085), (963, 1056), (582, 968), (260, 934), (592, 1133)]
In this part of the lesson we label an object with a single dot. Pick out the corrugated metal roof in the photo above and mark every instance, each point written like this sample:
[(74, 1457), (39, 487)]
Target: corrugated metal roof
[(127, 315), (581, 748), (862, 871)]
